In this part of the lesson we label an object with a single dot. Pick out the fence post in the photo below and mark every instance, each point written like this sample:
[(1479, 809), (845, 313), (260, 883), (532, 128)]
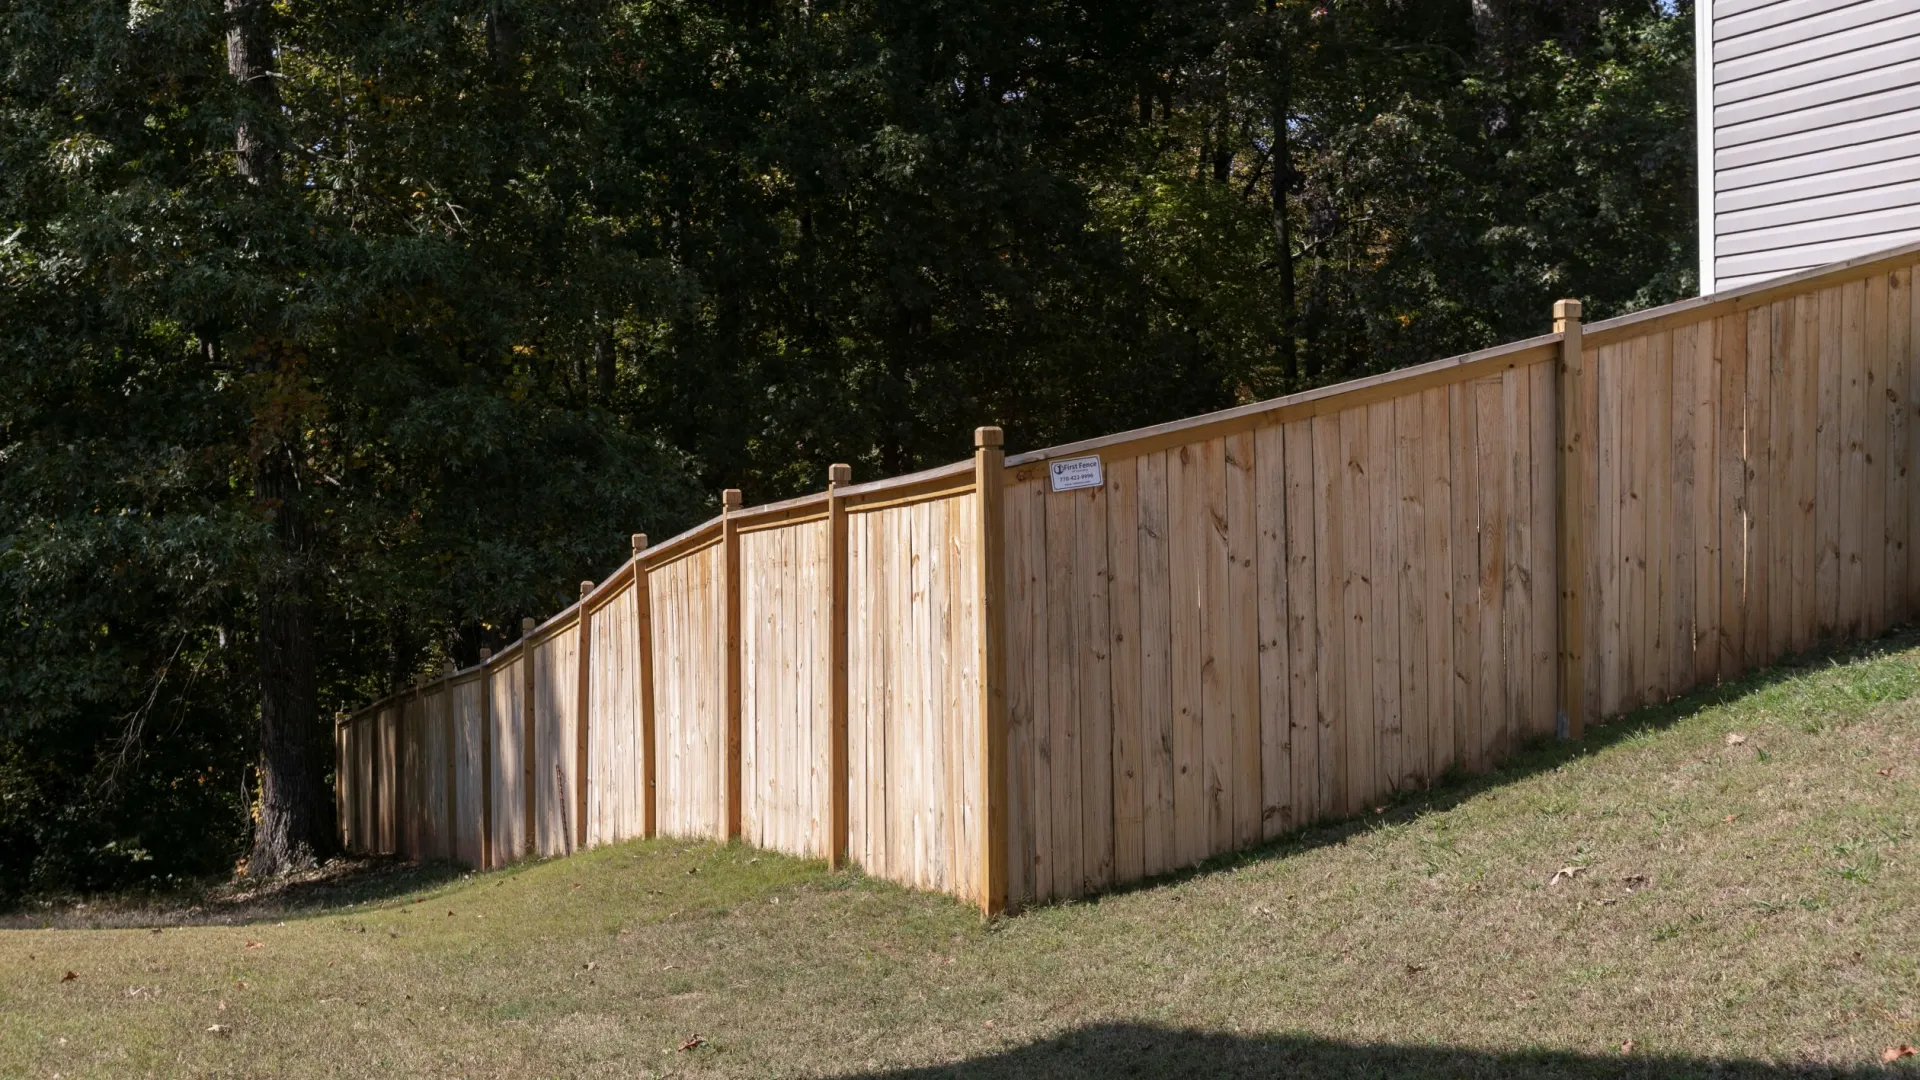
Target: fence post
[(527, 732), (730, 572), (990, 488), (486, 759), (1571, 568), (339, 785), (582, 767), (643, 633), (449, 838), (414, 738), (838, 476)]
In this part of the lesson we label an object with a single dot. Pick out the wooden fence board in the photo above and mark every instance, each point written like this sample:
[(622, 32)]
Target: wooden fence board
[(1241, 640), (1063, 698), (1274, 723), (1495, 478), (1123, 563), (1850, 503), (1096, 688), (1465, 472), (1216, 741), (1186, 494), (1755, 456), (1302, 621), (1731, 341), (1381, 767), (1873, 503), (1157, 649), (1436, 486), (1414, 626), (1829, 450), (1356, 609), (1899, 474)]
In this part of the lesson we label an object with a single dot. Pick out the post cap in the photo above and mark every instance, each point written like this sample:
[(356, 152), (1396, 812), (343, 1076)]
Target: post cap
[(639, 543), (730, 499), (486, 654), (839, 475), (447, 668), (986, 436), (585, 588), (1566, 310), (526, 625)]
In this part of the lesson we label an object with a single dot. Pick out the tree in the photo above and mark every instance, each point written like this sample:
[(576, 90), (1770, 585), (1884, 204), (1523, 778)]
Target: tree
[(341, 335)]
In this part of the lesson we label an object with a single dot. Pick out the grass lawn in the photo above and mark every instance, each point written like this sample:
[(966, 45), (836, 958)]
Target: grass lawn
[(1727, 885)]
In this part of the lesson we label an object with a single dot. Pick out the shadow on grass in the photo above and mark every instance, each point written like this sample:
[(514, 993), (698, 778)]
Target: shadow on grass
[(338, 884), (1145, 1050), (1539, 756)]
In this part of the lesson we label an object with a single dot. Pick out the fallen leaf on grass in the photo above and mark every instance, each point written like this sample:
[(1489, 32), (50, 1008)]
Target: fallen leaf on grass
[(1635, 881), (1888, 771), (693, 1044), (1894, 1053), (241, 985), (1567, 872), (1627, 1047), (1730, 818), (589, 965), (69, 976), (219, 1029), (256, 945), (1734, 738)]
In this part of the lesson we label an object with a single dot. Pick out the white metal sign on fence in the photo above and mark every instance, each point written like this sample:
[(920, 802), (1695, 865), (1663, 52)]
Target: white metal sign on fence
[(1072, 474)]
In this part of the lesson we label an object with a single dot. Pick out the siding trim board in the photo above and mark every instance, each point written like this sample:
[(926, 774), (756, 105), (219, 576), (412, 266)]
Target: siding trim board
[(1809, 142)]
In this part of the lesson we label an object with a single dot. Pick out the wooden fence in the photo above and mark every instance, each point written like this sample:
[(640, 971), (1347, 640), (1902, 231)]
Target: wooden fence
[(1028, 678)]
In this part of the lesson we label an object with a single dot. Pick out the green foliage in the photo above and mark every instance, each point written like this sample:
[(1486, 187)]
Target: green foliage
[(525, 278)]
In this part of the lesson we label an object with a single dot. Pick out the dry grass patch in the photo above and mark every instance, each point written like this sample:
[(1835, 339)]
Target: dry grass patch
[(1723, 886)]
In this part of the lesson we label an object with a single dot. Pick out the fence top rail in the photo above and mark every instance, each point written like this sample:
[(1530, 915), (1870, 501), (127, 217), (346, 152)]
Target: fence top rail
[(556, 623), (507, 654), (685, 543), (778, 513), (938, 480), (1316, 402), (607, 589), (1699, 309)]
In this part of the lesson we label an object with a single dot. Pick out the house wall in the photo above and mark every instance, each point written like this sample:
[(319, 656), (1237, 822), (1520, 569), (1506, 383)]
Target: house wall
[(1812, 155)]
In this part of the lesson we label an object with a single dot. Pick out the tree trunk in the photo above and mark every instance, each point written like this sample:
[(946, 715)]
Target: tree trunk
[(1280, 181), (250, 62), (292, 832), (295, 813)]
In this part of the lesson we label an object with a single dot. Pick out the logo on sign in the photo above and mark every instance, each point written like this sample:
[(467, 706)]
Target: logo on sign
[(1072, 474)]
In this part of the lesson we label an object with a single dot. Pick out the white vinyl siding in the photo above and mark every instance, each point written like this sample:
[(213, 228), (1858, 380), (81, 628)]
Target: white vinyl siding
[(1814, 140)]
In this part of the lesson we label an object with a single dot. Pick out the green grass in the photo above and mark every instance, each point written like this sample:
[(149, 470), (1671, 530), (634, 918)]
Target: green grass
[(1743, 906)]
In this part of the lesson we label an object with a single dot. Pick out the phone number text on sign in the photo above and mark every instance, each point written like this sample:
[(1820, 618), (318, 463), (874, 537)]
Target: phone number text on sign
[(1072, 474)]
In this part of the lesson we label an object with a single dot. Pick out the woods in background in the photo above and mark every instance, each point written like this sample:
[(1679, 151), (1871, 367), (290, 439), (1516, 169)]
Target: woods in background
[(340, 336)]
